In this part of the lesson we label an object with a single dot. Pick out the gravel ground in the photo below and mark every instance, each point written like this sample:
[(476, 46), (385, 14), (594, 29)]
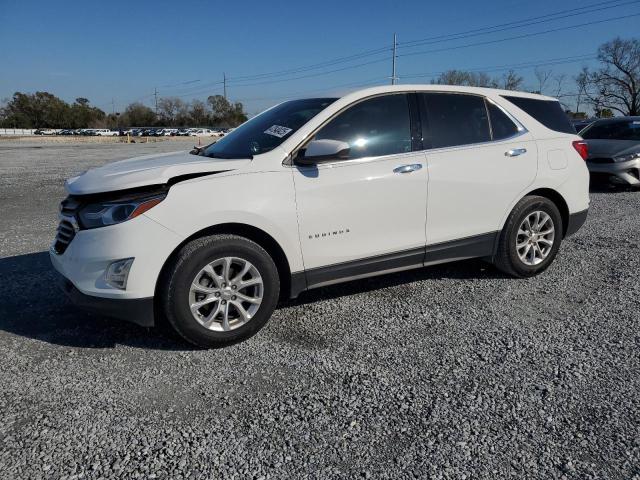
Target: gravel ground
[(449, 372)]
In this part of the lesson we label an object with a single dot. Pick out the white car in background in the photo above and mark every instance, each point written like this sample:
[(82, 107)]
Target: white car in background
[(319, 191), (201, 132), (105, 132), (168, 132)]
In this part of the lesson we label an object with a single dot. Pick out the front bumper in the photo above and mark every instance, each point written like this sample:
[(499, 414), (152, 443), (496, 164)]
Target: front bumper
[(622, 172), (89, 254), (137, 310)]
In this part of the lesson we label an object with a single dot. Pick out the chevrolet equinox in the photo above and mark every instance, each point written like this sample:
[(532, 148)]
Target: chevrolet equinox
[(318, 191)]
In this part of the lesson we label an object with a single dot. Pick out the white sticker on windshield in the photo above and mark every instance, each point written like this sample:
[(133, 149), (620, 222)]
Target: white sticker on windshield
[(277, 131)]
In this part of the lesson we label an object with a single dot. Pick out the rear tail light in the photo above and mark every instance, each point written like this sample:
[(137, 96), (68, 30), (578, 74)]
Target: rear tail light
[(582, 148)]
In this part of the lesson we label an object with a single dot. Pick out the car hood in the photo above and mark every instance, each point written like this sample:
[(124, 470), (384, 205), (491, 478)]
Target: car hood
[(147, 170), (612, 148)]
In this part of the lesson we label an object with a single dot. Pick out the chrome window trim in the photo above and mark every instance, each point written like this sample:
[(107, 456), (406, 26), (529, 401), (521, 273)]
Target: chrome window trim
[(519, 126), (351, 161), (522, 130)]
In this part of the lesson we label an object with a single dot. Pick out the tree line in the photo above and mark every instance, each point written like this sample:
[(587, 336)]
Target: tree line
[(45, 110)]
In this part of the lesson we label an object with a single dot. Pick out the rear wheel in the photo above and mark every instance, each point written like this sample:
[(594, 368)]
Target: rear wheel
[(220, 290), (531, 237)]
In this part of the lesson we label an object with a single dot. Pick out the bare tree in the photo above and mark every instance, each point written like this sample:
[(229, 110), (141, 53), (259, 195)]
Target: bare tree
[(616, 85), (512, 81), (582, 83), (559, 84), (465, 78), (169, 109), (542, 77)]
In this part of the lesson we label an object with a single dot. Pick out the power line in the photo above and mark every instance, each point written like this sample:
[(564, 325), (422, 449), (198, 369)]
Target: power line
[(487, 42), (327, 63), (516, 24), (244, 81), (313, 74), (437, 39), (379, 80), (180, 84), (517, 37), (539, 63)]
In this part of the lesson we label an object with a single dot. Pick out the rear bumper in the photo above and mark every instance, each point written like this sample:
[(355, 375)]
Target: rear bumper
[(576, 220), (136, 310)]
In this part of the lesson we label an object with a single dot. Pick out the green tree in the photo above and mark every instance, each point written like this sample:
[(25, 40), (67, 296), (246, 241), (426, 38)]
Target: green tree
[(138, 115), (82, 115), (221, 109), (45, 110)]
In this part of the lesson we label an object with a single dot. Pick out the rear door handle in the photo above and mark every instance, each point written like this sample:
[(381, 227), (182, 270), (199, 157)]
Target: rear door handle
[(515, 152), (407, 168)]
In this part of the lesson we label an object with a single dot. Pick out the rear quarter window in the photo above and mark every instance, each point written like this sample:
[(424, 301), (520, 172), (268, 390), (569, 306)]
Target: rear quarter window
[(547, 112)]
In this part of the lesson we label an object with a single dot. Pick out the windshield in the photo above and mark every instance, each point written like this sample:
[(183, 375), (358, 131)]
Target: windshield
[(617, 130), (266, 131)]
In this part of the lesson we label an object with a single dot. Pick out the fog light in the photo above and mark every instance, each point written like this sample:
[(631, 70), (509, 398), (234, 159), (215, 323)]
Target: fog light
[(118, 272)]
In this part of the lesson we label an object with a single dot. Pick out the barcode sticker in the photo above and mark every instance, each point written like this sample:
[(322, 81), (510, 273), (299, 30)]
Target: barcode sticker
[(277, 131)]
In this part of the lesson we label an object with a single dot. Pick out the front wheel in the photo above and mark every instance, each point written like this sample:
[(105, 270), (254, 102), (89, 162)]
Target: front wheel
[(531, 237), (220, 290)]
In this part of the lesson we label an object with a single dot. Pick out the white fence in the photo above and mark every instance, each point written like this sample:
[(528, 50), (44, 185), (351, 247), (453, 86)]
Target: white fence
[(17, 131)]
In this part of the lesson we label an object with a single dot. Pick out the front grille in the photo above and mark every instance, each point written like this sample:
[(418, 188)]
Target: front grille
[(66, 228), (69, 207), (600, 160)]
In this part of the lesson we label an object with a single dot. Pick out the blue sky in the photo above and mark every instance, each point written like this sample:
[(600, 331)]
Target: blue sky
[(122, 50)]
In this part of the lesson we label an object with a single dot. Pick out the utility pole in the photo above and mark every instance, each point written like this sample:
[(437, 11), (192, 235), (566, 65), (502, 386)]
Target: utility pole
[(113, 106), (393, 63), (155, 94), (224, 82)]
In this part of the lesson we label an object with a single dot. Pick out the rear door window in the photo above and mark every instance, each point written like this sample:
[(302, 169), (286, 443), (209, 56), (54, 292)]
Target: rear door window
[(450, 120), (502, 127), (548, 112)]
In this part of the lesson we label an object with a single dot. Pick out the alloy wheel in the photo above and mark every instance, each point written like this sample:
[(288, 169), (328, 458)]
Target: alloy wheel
[(535, 238), (226, 294)]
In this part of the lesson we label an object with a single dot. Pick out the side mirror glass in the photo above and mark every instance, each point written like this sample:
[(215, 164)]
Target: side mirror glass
[(326, 150)]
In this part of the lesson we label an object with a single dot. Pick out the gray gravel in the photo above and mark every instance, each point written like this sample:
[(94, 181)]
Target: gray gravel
[(449, 372)]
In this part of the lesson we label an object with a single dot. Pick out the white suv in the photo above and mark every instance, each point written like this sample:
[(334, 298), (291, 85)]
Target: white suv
[(318, 191)]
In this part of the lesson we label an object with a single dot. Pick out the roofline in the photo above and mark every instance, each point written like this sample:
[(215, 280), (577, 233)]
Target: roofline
[(445, 88)]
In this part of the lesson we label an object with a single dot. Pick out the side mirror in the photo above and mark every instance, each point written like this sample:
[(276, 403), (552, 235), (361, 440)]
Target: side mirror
[(318, 151)]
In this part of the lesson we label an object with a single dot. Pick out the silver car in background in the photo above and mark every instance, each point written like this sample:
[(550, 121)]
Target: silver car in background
[(614, 150)]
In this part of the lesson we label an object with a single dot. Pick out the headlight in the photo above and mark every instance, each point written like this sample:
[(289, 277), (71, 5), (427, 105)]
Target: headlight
[(626, 158), (102, 214)]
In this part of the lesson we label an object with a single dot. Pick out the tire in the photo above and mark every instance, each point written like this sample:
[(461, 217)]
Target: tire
[(508, 256), (203, 262)]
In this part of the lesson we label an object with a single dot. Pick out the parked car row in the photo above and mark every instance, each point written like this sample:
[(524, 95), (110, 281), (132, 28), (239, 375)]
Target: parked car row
[(137, 132)]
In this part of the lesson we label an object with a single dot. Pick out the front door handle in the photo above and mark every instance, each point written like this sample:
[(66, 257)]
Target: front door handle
[(514, 152), (407, 168)]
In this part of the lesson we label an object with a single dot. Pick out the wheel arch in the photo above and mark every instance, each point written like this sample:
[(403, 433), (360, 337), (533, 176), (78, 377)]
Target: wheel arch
[(259, 236), (557, 198)]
